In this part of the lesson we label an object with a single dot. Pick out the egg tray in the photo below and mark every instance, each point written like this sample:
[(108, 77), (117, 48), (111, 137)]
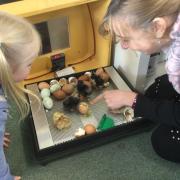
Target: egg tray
[(78, 120), (51, 142)]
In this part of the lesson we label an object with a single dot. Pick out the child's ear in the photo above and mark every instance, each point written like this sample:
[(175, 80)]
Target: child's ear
[(159, 26)]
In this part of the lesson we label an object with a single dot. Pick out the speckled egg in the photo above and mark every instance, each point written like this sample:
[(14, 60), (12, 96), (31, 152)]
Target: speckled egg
[(63, 81), (89, 129), (55, 87), (48, 102), (45, 93), (73, 80), (59, 94), (54, 81), (43, 85), (68, 88)]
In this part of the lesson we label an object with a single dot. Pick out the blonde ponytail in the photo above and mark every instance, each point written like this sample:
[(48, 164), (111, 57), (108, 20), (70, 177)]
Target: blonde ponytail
[(10, 88), (19, 42)]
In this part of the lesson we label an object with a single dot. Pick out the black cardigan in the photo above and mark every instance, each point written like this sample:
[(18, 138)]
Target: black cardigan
[(161, 103)]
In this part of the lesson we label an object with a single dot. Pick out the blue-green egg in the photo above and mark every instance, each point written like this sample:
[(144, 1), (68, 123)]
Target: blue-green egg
[(48, 102), (45, 93), (54, 87), (54, 81)]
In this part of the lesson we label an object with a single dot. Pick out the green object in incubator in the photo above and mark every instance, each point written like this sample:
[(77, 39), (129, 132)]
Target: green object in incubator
[(105, 123)]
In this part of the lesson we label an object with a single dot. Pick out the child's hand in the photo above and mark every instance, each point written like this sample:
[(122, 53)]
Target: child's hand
[(6, 140), (17, 178), (116, 99)]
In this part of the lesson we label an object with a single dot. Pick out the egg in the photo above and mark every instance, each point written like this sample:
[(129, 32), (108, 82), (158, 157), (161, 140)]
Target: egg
[(83, 108), (54, 81), (59, 94), (128, 113), (68, 88), (73, 80), (88, 74), (43, 85), (63, 81), (45, 93), (79, 132), (89, 129), (48, 102), (55, 87), (99, 71)]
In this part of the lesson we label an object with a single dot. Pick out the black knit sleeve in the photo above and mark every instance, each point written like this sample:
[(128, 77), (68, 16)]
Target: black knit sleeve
[(162, 111)]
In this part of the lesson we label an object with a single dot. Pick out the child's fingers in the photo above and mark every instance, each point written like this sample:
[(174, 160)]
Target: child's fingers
[(6, 145), (6, 139), (6, 142), (96, 99), (17, 178), (6, 134), (115, 111)]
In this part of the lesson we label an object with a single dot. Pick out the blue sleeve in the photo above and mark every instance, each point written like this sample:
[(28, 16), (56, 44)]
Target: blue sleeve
[(4, 168)]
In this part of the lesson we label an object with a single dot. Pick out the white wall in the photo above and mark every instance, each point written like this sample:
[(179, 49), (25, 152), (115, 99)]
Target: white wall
[(133, 65)]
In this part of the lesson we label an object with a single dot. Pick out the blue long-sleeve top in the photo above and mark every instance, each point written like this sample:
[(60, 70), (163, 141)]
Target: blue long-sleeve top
[(4, 167)]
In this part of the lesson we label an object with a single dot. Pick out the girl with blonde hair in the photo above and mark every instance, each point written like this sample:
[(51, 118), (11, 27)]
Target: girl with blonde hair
[(19, 46), (150, 26)]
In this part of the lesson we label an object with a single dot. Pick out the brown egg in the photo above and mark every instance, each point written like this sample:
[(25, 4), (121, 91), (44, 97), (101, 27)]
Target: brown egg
[(68, 88), (59, 94), (89, 129), (83, 108), (104, 76), (99, 71), (43, 85), (84, 78)]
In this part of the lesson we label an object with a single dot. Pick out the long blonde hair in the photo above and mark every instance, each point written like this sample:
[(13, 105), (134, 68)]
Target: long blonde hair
[(19, 42), (138, 13)]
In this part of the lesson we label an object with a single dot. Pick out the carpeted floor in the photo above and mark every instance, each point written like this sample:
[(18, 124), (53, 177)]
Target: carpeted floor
[(129, 158)]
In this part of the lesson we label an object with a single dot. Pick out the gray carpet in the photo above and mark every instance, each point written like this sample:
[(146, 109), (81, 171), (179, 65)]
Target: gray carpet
[(129, 158)]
